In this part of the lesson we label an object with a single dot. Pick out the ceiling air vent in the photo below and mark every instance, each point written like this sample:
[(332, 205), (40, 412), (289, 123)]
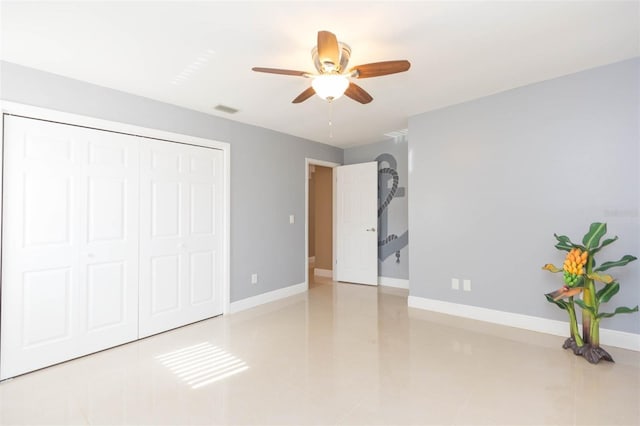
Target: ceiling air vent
[(226, 109), (398, 135)]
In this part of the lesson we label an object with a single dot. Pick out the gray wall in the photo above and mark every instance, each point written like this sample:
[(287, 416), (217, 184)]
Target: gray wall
[(494, 178), (267, 169), (389, 263)]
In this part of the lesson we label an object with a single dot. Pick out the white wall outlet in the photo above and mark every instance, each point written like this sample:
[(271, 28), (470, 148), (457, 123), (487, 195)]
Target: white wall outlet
[(466, 284), (292, 219), (455, 284), (254, 278)]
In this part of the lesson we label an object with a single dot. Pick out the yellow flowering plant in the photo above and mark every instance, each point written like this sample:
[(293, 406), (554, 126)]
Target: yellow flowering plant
[(584, 279)]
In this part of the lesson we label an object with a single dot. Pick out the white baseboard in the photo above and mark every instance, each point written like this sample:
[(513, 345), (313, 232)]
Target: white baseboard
[(616, 338), (271, 296), (393, 282), (323, 272)]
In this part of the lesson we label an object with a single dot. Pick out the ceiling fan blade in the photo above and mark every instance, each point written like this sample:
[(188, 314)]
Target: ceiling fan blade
[(328, 50), (304, 95), (377, 69), (280, 71), (358, 94)]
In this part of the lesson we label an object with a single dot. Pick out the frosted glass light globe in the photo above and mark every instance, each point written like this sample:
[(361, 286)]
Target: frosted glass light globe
[(330, 86)]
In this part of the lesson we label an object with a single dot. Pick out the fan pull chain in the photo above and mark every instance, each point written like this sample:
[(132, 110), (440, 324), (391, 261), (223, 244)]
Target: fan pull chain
[(330, 119)]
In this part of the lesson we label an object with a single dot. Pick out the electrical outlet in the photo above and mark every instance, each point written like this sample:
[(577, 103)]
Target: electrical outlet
[(466, 284), (455, 284), (254, 278)]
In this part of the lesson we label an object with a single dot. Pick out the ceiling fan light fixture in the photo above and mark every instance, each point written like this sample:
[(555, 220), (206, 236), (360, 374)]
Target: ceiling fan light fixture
[(333, 79), (330, 86)]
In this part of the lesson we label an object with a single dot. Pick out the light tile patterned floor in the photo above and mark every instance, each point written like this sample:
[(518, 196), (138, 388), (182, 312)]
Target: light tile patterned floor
[(340, 355)]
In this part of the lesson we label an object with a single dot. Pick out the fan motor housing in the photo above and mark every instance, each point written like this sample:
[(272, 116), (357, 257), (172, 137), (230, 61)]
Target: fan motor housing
[(328, 67)]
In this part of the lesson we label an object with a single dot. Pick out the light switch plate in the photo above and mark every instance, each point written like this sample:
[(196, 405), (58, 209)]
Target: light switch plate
[(466, 284), (455, 284), (292, 219)]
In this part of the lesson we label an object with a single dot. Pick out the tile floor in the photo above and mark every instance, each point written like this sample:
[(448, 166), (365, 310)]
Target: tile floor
[(339, 355)]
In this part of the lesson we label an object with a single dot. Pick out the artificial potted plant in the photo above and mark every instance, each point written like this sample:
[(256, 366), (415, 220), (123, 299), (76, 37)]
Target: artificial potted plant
[(587, 285)]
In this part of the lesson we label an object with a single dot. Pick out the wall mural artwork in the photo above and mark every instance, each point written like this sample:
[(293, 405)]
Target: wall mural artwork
[(388, 190)]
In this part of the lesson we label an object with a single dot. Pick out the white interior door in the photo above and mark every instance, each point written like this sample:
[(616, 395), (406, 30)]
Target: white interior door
[(70, 236), (356, 223), (181, 235)]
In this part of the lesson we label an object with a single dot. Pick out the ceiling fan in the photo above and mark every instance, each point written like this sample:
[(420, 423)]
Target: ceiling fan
[(331, 58)]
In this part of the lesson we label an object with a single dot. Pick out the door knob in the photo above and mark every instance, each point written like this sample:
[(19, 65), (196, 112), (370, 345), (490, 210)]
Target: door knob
[(371, 230)]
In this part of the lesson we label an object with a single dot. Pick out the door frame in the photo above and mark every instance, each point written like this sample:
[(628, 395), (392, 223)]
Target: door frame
[(29, 111), (308, 162)]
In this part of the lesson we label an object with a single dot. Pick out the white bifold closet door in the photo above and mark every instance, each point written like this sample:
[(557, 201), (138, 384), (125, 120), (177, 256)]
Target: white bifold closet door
[(70, 243), (107, 238), (180, 238)]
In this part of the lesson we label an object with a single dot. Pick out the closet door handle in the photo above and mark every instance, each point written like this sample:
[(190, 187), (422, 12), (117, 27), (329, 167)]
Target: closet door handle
[(371, 230)]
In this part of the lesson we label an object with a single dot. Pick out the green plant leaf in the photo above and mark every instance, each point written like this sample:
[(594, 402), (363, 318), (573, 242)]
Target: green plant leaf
[(604, 278), (584, 306), (607, 292), (592, 238), (623, 261), (562, 238), (564, 243), (564, 246), (559, 303), (620, 310), (604, 244)]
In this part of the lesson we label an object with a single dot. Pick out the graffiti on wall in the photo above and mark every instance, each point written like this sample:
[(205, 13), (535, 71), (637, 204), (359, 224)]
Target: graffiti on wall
[(388, 189)]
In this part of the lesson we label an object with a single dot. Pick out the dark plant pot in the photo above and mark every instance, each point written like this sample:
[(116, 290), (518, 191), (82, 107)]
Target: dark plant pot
[(593, 354)]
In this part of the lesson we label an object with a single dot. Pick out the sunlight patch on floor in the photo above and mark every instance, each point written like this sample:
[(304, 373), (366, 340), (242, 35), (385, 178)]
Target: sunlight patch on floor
[(202, 364)]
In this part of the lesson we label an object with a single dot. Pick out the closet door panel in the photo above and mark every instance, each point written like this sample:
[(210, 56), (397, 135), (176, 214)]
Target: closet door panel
[(70, 212), (165, 284), (204, 231), (204, 178), (179, 251), (46, 306), (203, 214), (39, 262), (202, 277), (49, 193), (107, 208), (166, 208), (108, 297)]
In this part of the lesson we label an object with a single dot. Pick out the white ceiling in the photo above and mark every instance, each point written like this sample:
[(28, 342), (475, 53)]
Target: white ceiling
[(458, 51)]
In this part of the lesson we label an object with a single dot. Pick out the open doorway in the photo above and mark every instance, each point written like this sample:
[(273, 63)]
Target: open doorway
[(320, 217)]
